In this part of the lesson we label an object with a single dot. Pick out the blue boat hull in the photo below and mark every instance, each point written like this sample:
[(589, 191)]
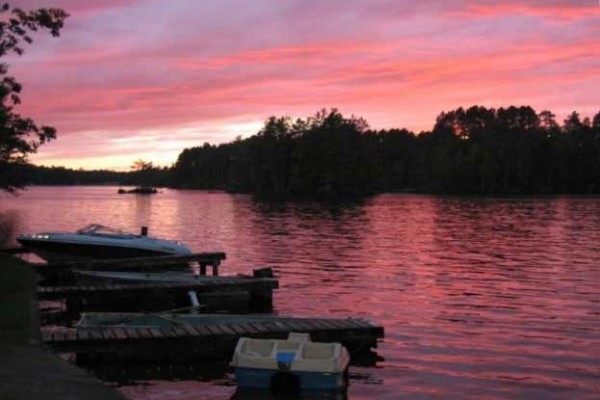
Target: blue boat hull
[(263, 379)]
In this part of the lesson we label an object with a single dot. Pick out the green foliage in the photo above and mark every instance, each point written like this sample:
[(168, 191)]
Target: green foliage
[(20, 136)]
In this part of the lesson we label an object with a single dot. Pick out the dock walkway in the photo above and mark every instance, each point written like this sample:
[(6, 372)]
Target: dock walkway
[(226, 293), (215, 283), (209, 341)]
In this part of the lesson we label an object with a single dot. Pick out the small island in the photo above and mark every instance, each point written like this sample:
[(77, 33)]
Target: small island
[(143, 175), (139, 190)]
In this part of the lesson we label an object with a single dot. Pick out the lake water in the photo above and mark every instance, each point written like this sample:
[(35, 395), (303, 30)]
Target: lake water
[(480, 298)]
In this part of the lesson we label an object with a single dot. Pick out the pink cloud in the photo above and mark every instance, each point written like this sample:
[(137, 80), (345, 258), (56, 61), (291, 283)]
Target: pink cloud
[(555, 10), (124, 73), (75, 7), (329, 82)]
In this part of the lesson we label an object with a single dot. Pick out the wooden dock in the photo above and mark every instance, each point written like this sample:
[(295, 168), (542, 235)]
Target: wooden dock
[(231, 293), (217, 341)]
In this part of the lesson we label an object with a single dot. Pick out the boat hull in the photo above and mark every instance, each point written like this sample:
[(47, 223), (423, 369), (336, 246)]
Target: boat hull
[(295, 362), (53, 251), (307, 380), (120, 277)]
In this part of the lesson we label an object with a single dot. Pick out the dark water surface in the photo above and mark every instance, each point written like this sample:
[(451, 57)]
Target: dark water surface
[(480, 298)]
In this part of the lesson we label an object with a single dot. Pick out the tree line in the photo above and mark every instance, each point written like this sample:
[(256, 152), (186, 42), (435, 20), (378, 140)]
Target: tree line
[(478, 150), (29, 174)]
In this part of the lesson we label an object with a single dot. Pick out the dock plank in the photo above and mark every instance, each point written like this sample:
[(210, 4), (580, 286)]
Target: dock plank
[(246, 328), (202, 330), (156, 333), (327, 324), (295, 326), (209, 340), (226, 330), (109, 334), (236, 329), (361, 322), (120, 333), (191, 330), (167, 332), (315, 325), (273, 326), (144, 333), (179, 331), (304, 325), (251, 285), (96, 334), (281, 325), (259, 326), (214, 330), (132, 333), (83, 334)]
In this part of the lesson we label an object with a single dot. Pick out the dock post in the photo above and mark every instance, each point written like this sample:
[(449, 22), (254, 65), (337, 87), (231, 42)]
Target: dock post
[(73, 307)]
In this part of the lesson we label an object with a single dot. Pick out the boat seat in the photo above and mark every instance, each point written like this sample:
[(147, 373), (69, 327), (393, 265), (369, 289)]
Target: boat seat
[(289, 347), (318, 351), (300, 337), (262, 348)]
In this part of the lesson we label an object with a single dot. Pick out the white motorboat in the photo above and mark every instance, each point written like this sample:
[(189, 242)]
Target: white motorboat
[(99, 242)]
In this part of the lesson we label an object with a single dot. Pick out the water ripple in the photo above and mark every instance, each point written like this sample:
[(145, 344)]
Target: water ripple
[(480, 298)]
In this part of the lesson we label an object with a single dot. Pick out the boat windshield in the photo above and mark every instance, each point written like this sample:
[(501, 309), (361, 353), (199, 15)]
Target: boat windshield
[(95, 229)]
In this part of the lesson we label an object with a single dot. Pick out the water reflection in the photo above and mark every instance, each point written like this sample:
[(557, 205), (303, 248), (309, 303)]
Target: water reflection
[(142, 210), (480, 298), (247, 394), (306, 231), (140, 378)]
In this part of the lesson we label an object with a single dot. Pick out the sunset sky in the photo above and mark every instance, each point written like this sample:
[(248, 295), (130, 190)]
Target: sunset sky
[(146, 78)]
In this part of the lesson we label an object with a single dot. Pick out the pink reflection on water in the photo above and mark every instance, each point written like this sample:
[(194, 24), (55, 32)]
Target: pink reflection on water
[(480, 298)]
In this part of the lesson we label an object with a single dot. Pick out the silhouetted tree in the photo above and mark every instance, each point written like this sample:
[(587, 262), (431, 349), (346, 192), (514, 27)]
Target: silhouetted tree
[(20, 136), (144, 173), (140, 165), (271, 157), (476, 150)]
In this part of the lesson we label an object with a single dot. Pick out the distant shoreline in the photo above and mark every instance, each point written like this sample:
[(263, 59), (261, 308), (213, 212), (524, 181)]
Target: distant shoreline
[(400, 192), (478, 151)]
